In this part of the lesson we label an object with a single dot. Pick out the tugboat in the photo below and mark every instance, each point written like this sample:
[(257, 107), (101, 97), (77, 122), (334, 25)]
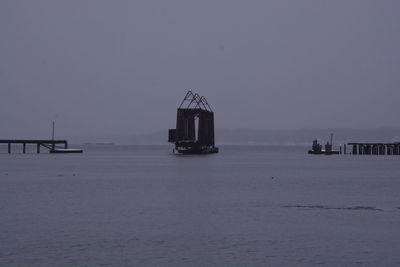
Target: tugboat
[(194, 132), (316, 148)]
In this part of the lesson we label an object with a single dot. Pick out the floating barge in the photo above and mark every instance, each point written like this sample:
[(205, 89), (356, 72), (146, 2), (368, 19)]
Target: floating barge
[(194, 132)]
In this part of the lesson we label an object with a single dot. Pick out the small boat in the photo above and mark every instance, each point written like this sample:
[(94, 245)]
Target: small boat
[(56, 150), (65, 150)]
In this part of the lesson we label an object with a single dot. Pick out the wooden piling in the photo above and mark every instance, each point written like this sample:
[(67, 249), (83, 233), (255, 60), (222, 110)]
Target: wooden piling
[(382, 149), (389, 150), (375, 148)]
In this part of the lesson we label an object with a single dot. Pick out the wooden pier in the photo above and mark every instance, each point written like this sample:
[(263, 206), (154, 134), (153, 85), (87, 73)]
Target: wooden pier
[(375, 148), (49, 144)]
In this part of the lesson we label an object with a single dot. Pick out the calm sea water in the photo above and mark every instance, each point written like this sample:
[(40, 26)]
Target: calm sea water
[(246, 206)]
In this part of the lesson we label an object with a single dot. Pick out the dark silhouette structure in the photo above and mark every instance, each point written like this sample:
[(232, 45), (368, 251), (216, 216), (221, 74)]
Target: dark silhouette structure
[(49, 144), (317, 148), (194, 132), (375, 148), (52, 145)]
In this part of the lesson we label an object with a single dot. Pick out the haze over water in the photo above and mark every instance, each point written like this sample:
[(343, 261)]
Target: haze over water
[(115, 71), (101, 67), (246, 206)]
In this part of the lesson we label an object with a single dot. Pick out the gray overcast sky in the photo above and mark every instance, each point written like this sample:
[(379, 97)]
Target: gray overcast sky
[(122, 67)]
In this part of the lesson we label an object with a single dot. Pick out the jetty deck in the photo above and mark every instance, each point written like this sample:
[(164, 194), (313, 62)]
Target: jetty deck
[(48, 144), (375, 148)]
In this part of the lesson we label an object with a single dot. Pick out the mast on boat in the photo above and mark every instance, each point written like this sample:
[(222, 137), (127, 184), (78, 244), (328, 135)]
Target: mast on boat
[(52, 134)]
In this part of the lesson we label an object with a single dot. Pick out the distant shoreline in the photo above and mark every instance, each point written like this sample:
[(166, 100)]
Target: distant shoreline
[(242, 136)]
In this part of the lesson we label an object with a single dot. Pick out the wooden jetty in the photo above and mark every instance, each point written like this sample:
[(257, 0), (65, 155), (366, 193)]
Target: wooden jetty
[(48, 144), (375, 148), (194, 132), (53, 145)]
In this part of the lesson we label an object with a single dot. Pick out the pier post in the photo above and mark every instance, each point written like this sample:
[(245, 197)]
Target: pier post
[(38, 148), (9, 148), (344, 149), (389, 150), (375, 149), (354, 150), (24, 148), (66, 145), (340, 152), (382, 149)]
